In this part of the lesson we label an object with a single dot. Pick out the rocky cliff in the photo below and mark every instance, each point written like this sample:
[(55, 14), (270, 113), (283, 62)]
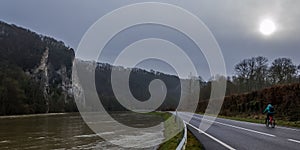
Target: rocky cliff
[(35, 73)]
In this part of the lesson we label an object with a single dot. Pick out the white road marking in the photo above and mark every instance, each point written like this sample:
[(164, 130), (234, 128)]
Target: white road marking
[(251, 123), (288, 128), (237, 127), (250, 130), (292, 140), (213, 138), (259, 124)]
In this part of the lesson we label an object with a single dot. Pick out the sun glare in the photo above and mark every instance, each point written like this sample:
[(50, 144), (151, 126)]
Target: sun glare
[(267, 27)]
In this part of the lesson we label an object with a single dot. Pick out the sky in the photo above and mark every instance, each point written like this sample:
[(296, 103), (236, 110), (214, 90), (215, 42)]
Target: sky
[(234, 24)]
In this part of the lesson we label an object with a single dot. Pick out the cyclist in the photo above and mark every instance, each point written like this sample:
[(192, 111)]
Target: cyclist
[(269, 110)]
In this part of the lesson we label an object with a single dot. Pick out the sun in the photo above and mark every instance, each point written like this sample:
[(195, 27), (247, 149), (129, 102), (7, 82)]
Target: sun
[(267, 27)]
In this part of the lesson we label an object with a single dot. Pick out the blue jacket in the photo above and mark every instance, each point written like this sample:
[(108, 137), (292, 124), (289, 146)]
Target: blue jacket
[(268, 109)]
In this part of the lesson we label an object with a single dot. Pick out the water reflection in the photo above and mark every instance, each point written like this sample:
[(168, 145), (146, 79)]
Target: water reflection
[(66, 131)]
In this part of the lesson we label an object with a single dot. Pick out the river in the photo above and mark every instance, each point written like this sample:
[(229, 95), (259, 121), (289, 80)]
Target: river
[(64, 131)]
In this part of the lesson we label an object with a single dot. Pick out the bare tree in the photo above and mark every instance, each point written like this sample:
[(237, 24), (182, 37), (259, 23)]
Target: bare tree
[(282, 71), (260, 72), (298, 73), (251, 73)]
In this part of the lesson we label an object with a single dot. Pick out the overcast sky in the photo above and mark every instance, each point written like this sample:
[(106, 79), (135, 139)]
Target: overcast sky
[(234, 23)]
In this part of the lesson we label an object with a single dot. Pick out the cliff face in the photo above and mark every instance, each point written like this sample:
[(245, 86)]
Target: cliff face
[(45, 65), (42, 71)]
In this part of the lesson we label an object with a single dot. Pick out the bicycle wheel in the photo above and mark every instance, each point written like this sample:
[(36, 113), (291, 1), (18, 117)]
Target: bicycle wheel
[(273, 123), (267, 123)]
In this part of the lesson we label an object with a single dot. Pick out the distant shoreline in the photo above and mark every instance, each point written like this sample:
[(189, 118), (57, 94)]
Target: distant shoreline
[(46, 114), (31, 115)]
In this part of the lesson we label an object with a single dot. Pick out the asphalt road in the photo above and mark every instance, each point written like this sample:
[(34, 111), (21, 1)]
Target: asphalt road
[(230, 134)]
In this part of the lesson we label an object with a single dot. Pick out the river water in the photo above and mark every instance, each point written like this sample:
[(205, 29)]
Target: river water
[(69, 131)]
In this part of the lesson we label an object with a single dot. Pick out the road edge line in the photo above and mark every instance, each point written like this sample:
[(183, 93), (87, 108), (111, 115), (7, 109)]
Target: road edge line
[(210, 136), (237, 127), (249, 130), (292, 140)]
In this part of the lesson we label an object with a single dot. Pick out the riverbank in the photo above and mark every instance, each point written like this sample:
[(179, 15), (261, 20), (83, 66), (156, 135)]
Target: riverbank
[(33, 115)]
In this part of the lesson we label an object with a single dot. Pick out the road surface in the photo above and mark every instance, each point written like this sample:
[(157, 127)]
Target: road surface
[(230, 134)]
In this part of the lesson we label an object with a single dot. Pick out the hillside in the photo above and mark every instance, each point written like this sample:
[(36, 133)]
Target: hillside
[(139, 81), (36, 71)]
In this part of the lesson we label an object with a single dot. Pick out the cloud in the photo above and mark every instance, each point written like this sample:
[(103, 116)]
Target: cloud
[(234, 23)]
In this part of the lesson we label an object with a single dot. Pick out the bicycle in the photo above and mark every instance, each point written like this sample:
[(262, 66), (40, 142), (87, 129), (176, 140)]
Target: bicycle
[(270, 121)]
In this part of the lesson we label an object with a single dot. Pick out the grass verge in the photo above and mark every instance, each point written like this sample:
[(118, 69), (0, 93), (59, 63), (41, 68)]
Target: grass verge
[(171, 128), (193, 143)]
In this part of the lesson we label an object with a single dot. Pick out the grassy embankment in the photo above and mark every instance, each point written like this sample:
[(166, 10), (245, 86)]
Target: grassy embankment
[(172, 127), (193, 143)]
